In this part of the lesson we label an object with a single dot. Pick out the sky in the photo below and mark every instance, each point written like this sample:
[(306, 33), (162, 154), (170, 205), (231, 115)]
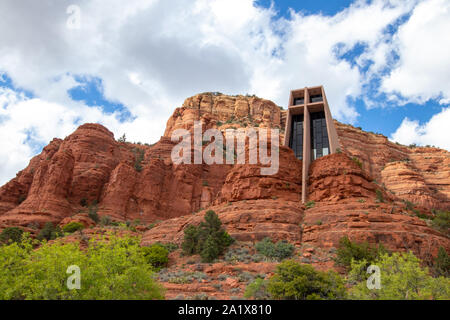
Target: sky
[(128, 64)]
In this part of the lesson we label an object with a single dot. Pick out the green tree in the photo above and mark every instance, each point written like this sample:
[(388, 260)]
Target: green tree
[(348, 251), (11, 234), (293, 281), (402, 278), (442, 221), (441, 266), (73, 226), (210, 249), (92, 213), (49, 232), (209, 239), (111, 268), (156, 255)]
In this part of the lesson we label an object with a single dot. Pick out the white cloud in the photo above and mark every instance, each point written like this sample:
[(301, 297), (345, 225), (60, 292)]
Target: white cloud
[(423, 46), (435, 132)]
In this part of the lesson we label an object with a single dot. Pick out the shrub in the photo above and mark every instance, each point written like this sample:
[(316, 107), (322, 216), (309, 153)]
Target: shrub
[(442, 221), (409, 205), (171, 247), (310, 204), (49, 232), (123, 138), (379, 195), (11, 234), (357, 161), (441, 266), (73, 226), (279, 251), (156, 255), (348, 251), (209, 239), (402, 278), (138, 158), (293, 281), (83, 202), (112, 269), (22, 198), (257, 290), (93, 213), (105, 220)]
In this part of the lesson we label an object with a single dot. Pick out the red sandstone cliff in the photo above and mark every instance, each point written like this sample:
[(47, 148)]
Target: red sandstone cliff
[(135, 181)]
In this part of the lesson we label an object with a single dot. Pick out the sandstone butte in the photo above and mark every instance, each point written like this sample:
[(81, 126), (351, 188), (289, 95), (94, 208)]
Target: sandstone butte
[(90, 166)]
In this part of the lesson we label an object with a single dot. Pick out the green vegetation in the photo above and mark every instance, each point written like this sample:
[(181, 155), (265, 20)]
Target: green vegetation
[(441, 221), (83, 202), (92, 213), (379, 195), (123, 138), (349, 251), (22, 198), (441, 266), (112, 268), (156, 255), (11, 234), (257, 290), (293, 281), (105, 220), (209, 239), (73, 226), (49, 232), (402, 278), (357, 161), (138, 158), (310, 204), (279, 251)]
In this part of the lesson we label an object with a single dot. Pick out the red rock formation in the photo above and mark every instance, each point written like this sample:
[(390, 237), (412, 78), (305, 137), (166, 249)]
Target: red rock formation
[(135, 181), (229, 111), (420, 175), (347, 204)]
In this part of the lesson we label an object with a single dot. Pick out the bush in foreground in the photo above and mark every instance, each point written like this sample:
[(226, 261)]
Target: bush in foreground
[(441, 266), (294, 281), (111, 268), (402, 278)]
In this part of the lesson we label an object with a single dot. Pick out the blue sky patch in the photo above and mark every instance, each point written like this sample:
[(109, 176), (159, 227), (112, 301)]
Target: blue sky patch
[(90, 91)]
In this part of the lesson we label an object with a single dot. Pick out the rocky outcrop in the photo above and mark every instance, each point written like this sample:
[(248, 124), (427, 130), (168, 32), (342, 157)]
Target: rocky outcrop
[(246, 220), (417, 174), (346, 204), (222, 111)]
